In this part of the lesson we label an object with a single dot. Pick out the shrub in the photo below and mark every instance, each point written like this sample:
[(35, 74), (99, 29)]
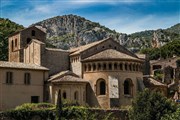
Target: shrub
[(35, 106), (150, 106), (173, 116)]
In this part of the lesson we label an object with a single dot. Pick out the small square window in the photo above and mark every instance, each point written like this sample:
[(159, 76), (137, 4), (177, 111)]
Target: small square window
[(34, 99)]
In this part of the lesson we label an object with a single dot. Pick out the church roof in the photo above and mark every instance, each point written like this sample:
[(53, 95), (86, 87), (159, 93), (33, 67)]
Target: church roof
[(150, 82), (18, 65), (26, 29), (80, 49), (56, 49), (110, 54), (69, 78), (66, 76), (141, 56)]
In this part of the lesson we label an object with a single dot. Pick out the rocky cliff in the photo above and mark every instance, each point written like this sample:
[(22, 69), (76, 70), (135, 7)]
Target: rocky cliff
[(71, 31)]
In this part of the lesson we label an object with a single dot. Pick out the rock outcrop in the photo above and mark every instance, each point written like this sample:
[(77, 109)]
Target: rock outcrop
[(71, 31)]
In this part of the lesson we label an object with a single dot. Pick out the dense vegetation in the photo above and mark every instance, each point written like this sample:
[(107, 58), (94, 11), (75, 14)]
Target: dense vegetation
[(47, 111), (166, 51), (173, 116), (152, 106), (7, 27), (164, 35)]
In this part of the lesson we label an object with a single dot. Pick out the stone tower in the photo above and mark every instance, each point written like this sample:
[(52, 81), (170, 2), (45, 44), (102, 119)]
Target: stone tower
[(17, 42)]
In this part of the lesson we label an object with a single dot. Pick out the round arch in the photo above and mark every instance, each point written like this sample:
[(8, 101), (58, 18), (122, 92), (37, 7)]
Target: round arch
[(101, 87), (128, 87)]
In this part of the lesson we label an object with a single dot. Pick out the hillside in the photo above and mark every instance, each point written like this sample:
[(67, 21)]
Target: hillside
[(7, 27), (71, 31), (164, 36)]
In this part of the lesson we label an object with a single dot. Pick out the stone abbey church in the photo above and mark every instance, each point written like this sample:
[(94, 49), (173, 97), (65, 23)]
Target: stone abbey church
[(101, 74)]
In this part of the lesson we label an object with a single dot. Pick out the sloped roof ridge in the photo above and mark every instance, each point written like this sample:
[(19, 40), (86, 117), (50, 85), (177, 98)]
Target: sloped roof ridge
[(62, 74), (19, 65), (57, 49), (155, 82), (25, 29), (87, 46), (111, 54)]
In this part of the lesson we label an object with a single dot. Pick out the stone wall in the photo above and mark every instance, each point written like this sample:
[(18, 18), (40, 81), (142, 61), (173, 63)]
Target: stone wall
[(112, 95), (69, 89), (18, 92), (55, 60), (76, 65), (33, 52)]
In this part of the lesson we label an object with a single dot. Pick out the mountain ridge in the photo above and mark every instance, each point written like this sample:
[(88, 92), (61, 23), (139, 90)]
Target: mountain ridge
[(71, 31)]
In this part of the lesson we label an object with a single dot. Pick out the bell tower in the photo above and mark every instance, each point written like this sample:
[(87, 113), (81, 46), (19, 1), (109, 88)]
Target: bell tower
[(19, 40)]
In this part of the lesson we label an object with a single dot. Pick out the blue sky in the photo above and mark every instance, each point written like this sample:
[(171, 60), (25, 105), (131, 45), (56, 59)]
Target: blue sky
[(125, 16)]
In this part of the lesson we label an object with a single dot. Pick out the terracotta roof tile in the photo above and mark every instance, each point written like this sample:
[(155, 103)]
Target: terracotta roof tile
[(78, 50), (149, 82), (110, 54), (69, 78), (56, 49), (18, 65), (66, 76)]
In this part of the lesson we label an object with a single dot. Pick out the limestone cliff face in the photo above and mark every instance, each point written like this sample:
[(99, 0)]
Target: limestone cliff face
[(71, 31)]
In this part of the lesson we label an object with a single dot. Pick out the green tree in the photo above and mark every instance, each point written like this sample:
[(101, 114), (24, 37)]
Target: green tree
[(173, 116), (166, 51), (150, 105)]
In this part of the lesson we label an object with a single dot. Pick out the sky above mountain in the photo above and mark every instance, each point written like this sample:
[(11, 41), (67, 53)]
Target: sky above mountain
[(125, 16)]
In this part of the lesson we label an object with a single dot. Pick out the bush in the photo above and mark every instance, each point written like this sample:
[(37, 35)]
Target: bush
[(35, 106), (173, 116), (151, 106), (46, 111), (27, 114)]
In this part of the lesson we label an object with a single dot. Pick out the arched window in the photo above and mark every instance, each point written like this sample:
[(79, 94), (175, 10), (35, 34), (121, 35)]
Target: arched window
[(99, 66), (101, 87), (33, 33), (28, 40), (126, 67), (115, 66), (134, 67), (104, 66), (137, 67), (12, 45), (85, 68), (94, 67), (128, 87), (110, 66), (76, 95), (15, 42), (64, 95), (89, 67), (120, 66), (130, 67)]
